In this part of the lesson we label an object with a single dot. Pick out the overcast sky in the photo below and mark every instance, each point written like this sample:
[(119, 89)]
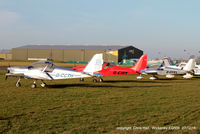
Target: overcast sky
[(159, 27)]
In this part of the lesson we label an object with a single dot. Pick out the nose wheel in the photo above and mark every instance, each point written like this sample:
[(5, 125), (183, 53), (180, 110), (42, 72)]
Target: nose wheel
[(18, 84), (33, 85)]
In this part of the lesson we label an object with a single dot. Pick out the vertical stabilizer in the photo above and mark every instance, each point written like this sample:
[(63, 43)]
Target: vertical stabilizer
[(190, 65), (166, 62), (95, 64), (141, 64)]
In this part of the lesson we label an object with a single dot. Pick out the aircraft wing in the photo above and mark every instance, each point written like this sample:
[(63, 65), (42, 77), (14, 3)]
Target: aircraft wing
[(15, 75), (149, 71)]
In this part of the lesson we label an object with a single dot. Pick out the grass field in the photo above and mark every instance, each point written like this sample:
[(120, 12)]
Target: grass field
[(70, 106)]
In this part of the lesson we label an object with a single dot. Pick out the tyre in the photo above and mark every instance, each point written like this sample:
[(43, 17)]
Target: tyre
[(94, 80), (33, 85), (100, 80), (18, 84), (42, 84)]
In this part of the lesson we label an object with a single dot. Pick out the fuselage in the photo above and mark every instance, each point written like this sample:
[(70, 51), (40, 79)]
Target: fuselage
[(116, 70), (40, 73), (111, 70)]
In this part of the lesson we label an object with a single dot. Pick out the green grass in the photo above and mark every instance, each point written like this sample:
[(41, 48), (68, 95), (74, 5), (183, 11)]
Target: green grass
[(70, 106)]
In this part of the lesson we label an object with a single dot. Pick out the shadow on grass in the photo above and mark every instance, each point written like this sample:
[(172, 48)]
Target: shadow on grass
[(143, 81), (101, 86), (196, 77)]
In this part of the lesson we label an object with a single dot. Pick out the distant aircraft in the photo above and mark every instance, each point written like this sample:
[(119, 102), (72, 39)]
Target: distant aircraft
[(46, 70), (114, 70), (167, 69), (182, 65)]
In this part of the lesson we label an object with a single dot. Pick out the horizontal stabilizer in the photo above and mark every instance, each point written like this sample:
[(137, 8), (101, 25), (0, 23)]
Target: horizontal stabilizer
[(166, 62)]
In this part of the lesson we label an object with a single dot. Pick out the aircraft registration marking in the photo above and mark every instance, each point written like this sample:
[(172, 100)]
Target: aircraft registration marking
[(120, 72), (171, 72), (62, 75)]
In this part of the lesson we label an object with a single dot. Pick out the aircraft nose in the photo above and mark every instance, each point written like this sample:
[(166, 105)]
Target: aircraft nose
[(10, 69)]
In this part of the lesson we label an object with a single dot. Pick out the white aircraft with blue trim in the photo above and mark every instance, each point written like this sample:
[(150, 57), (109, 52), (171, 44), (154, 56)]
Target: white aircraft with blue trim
[(46, 70), (170, 71), (196, 68)]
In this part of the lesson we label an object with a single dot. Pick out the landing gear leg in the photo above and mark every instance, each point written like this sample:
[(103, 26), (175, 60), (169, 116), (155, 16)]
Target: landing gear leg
[(18, 84), (33, 85)]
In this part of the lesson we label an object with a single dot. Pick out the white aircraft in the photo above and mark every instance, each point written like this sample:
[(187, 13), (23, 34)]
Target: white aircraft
[(46, 70), (170, 71), (167, 63)]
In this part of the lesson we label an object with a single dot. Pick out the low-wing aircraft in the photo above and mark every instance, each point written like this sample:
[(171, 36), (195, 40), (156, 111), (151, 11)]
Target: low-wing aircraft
[(182, 65), (167, 69), (46, 70), (114, 70)]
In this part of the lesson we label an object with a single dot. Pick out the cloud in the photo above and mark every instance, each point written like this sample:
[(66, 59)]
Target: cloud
[(8, 18)]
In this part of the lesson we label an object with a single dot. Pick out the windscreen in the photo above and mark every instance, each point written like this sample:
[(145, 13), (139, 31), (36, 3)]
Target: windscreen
[(45, 66)]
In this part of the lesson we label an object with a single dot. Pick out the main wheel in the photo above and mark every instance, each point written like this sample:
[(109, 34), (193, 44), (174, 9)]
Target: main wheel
[(43, 84), (95, 80), (152, 78), (33, 85), (81, 79), (100, 80), (18, 84), (140, 77)]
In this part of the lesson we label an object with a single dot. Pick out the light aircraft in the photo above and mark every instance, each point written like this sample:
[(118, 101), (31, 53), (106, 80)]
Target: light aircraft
[(182, 65), (167, 69), (114, 70), (46, 70)]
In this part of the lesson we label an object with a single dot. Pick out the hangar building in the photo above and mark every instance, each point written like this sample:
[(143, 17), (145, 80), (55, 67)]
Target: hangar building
[(75, 52)]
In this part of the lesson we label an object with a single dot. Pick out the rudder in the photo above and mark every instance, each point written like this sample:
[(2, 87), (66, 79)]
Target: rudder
[(140, 64), (95, 64)]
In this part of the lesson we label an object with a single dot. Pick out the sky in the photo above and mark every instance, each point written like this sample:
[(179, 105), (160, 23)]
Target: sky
[(159, 27)]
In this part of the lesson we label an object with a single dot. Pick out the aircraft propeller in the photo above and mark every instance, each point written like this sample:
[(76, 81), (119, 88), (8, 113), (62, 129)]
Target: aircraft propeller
[(8, 71)]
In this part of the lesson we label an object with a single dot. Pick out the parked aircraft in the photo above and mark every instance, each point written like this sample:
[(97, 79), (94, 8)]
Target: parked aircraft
[(170, 71), (114, 70), (182, 65), (46, 70)]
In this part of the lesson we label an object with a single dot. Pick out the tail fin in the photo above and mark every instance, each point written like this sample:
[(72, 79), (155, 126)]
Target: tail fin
[(166, 61), (190, 65), (141, 64), (95, 64)]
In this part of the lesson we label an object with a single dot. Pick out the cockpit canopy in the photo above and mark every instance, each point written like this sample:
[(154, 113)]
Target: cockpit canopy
[(46, 66), (108, 65)]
